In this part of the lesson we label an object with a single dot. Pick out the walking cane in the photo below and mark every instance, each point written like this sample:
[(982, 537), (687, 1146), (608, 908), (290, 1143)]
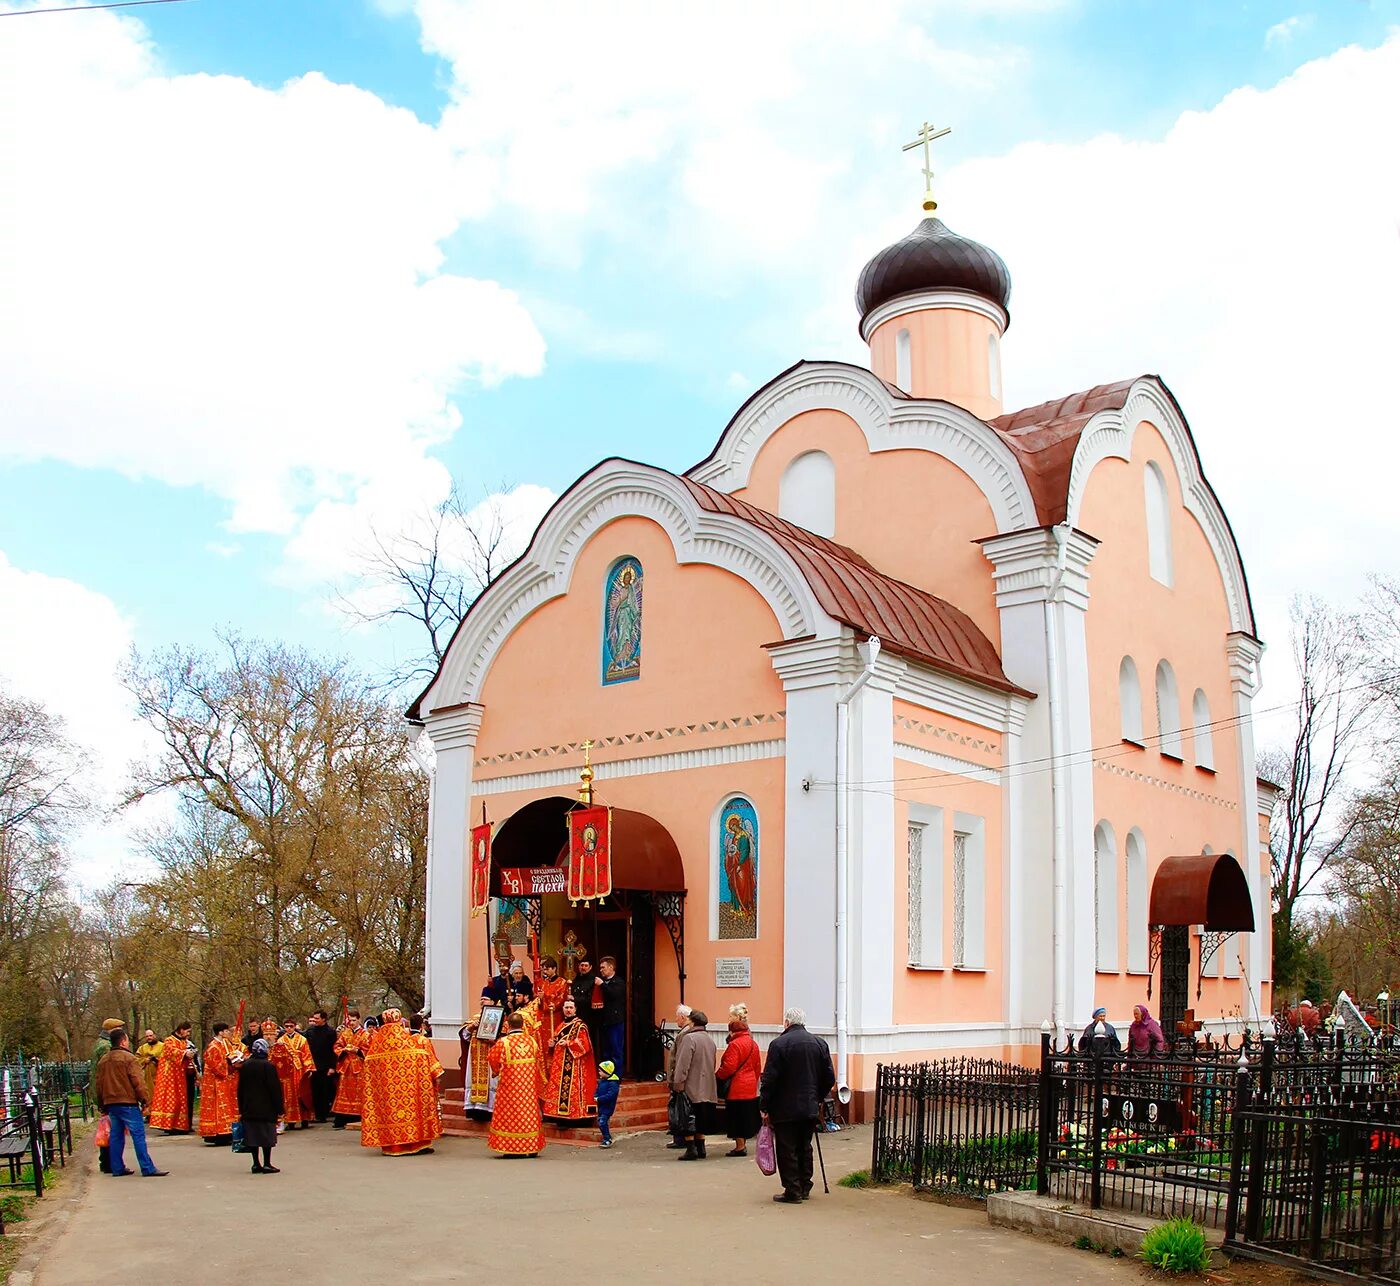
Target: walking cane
[(825, 1188)]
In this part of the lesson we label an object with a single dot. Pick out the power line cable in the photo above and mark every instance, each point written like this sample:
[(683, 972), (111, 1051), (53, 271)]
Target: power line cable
[(78, 8)]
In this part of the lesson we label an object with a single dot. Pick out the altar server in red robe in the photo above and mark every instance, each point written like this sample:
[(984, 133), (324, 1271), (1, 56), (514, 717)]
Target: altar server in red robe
[(516, 1126), (351, 1045), (551, 991), (215, 1120), (400, 1111), (170, 1100), (573, 1077), (291, 1056)]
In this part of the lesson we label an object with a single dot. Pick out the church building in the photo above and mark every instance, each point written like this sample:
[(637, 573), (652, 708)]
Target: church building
[(911, 710)]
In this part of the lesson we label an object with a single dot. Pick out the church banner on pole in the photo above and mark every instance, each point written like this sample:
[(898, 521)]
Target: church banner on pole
[(481, 867), (590, 854)]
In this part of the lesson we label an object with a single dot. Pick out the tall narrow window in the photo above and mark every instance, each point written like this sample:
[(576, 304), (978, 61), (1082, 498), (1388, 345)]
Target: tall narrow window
[(1159, 524), (1136, 855), (1201, 731), (1168, 712), (1130, 700), (969, 892), (807, 493), (903, 361), (925, 887), (994, 365), (1105, 899), (622, 622)]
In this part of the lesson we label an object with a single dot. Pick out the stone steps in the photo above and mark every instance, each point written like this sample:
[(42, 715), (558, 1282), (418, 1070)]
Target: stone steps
[(641, 1106)]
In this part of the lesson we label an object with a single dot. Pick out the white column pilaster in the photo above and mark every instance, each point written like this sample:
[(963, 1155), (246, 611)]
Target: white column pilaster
[(1244, 652), (453, 733)]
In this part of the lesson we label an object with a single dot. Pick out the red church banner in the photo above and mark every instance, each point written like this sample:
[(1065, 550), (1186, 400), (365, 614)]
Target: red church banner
[(481, 867), (590, 854)]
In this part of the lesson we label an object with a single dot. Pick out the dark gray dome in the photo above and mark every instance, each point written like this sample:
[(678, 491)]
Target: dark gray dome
[(933, 257)]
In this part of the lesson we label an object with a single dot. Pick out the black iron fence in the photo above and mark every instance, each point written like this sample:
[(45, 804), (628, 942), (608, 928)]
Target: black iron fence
[(963, 1125), (1293, 1150)]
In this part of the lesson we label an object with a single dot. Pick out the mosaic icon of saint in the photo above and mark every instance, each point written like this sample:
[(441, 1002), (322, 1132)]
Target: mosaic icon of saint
[(738, 864), (624, 623)]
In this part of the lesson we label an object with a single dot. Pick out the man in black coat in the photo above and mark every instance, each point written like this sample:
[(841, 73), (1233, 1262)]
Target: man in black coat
[(612, 1019), (582, 991), (796, 1080), (320, 1035)]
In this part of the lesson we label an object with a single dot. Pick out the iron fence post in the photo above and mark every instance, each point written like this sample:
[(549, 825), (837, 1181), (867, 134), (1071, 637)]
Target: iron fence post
[(875, 1157), (1045, 1126), (920, 1100), (1096, 1138), (1317, 1183), (1237, 1145), (36, 1138), (1254, 1197)]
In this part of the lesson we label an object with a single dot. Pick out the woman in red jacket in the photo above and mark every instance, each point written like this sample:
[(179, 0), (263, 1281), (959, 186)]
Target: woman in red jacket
[(740, 1067)]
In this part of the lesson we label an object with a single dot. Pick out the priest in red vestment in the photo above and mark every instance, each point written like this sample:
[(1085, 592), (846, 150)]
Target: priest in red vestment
[(573, 1077), (550, 991), (170, 1100), (400, 1111), (516, 1126), (215, 1120), (291, 1056), (351, 1044)]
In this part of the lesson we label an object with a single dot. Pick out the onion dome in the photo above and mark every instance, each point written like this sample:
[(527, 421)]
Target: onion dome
[(933, 257)]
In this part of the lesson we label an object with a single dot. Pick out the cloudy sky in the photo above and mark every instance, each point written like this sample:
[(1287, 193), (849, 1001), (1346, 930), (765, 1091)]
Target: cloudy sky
[(273, 272)]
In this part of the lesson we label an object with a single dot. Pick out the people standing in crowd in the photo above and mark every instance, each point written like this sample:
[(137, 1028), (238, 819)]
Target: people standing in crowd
[(215, 1117), (610, 1000), (147, 1056), (738, 1076), (497, 988), (259, 1106), (170, 1100), (522, 989), (1145, 1038), (120, 1092), (291, 1056), (551, 991), (573, 1077), (609, 1087), (1100, 1036), (795, 1082), (678, 1139), (517, 1128), (320, 1039), (582, 989), (400, 1112), (350, 1043), (693, 1074), (101, 1047)]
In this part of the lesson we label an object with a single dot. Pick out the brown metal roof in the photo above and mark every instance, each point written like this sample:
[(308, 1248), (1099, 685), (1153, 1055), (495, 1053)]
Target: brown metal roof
[(1043, 439), (907, 620), (1208, 889)]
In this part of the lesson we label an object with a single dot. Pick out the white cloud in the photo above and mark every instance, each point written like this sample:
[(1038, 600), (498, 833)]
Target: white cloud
[(63, 645), (219, 285), (1282, 32)]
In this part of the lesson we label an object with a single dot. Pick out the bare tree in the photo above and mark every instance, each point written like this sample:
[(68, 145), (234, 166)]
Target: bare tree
[(1313, 823), (431, 575)]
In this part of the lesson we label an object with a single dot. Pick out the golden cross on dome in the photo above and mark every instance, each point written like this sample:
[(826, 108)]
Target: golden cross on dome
[(927, 134)]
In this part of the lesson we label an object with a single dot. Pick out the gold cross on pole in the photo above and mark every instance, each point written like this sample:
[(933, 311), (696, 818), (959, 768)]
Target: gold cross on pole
[(927, 134)]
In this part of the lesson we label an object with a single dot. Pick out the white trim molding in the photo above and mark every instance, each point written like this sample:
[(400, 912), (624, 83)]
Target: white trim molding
[(918, 301), (619, 489), (1111, 433), (889, 421)]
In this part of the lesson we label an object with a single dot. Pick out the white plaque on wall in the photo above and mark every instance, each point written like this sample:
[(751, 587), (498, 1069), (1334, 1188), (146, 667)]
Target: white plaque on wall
[(734, 971)]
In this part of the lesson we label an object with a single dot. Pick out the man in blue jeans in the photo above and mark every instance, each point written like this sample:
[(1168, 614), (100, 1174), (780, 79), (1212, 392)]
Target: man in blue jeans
[(121, 1090)]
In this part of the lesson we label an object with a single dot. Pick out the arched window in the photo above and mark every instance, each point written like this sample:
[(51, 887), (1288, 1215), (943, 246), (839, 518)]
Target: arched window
[(1201, 731), (1105, 899), (1136, 854), (994, 365), (736, 870), (1230, 949), (622, 622), (1168, 712), (1130, 700), (903, 361), (1159, 524), (807, 493)]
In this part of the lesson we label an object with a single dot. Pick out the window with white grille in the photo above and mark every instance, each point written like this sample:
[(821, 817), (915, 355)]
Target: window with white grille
[(916, 894), (969, 892), (959, 900), (924, 885)]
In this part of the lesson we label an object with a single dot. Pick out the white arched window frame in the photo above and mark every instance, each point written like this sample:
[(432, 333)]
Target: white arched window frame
[(1168, 712), (1105, 899), (903, 361), (994, 365), (1130, 700), (1135, 858), (1201, 731), (1159, 523), (807, 493)]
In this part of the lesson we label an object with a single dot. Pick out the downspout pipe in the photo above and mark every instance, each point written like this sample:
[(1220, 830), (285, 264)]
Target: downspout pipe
[(870, 651), (1058, 791)]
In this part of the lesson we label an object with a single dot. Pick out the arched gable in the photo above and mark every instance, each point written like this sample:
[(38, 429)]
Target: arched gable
[(613, 490), (889, 421), (1111, 433)]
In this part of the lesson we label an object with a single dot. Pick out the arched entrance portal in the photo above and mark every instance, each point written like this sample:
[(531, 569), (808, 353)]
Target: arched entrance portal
[(640, 924)]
